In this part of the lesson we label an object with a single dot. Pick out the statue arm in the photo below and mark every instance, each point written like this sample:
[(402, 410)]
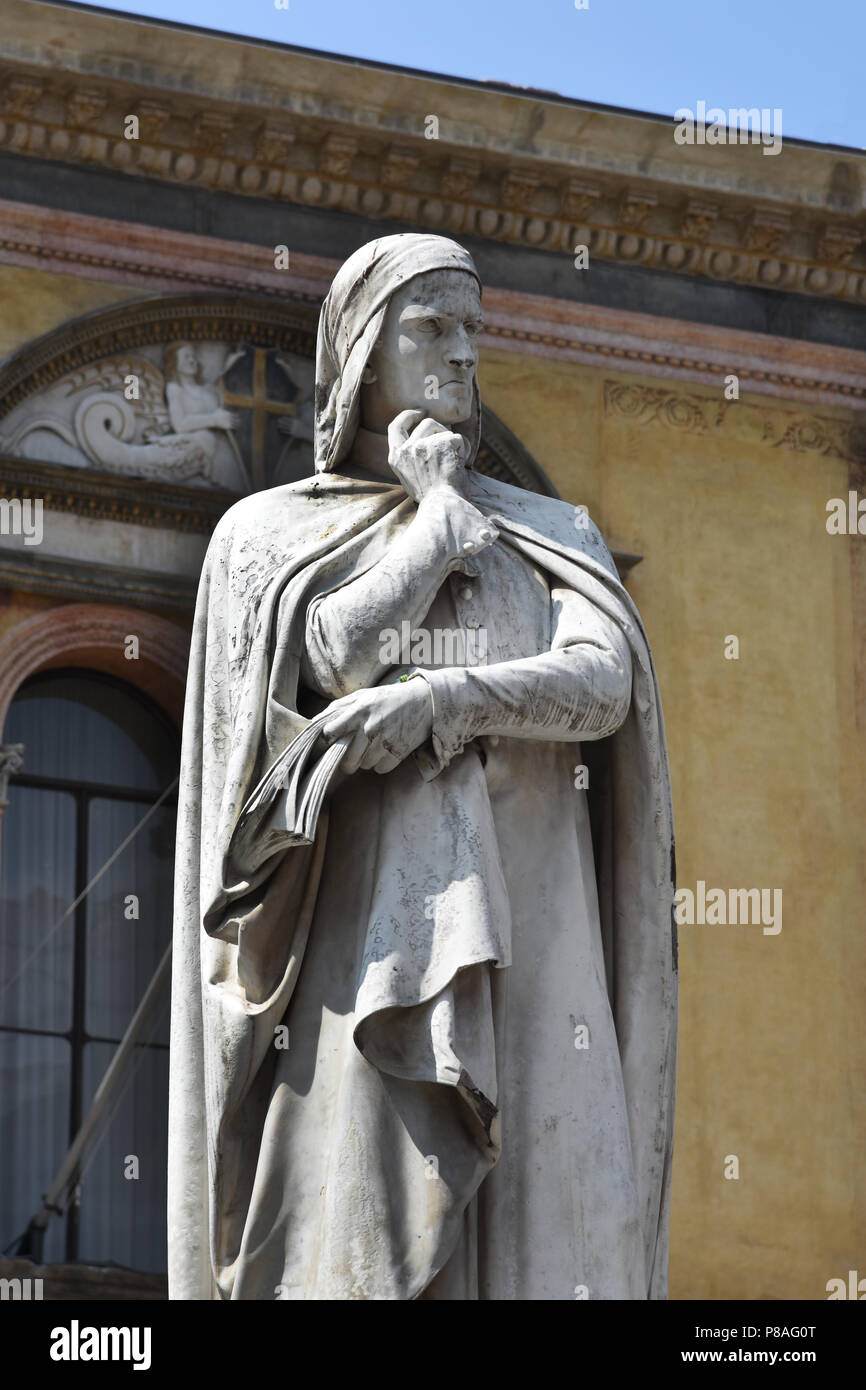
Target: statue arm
[(343, 645), (579, 690)]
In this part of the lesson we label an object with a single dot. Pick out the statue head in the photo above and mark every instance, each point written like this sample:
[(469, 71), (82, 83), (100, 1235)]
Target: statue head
[(179, 361), (426, 355), (398, 331)]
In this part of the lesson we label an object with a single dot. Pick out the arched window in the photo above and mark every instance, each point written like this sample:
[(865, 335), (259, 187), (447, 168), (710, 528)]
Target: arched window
[(97, 756)]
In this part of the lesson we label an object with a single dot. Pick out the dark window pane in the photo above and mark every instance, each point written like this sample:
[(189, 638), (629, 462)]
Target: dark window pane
[(34, 1123), (95, 733), (123, 1219), (122, 953), (38, 886), (84, 729)]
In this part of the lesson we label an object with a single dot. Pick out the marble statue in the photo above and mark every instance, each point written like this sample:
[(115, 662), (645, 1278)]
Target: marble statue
[(423, 1041)]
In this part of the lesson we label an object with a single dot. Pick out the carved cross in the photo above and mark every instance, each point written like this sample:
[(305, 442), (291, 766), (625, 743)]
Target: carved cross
[(261, 407)]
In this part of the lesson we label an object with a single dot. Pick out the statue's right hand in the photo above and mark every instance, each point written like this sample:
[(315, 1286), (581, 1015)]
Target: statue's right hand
[(382, 725), (425, 455)]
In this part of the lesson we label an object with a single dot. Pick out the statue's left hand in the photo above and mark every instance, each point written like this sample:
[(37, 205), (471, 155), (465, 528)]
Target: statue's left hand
[(387, 723)]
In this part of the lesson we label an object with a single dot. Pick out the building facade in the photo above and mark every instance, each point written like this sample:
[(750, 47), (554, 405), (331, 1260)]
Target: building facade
[(675, 338)]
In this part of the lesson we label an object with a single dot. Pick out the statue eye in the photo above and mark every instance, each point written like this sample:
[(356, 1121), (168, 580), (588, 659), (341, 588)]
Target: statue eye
[(429, 325)]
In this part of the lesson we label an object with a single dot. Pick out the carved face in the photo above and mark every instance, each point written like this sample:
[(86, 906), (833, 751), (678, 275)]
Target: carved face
[(187, 362), (427, 353)]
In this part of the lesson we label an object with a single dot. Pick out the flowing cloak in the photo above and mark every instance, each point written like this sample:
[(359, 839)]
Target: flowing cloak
[(242, 921)]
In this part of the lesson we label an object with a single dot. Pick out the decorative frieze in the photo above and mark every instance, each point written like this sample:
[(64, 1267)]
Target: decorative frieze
[(635, 210), (459, 178), (212, 130), (519, 189), (153, 258), (357, 159), (578, 200), (337, 153), (20, 96), (152, 118), (698, 220), (84, 106), (106, 497), (837, 244), (766, 231), (399, 167), (773, 427)]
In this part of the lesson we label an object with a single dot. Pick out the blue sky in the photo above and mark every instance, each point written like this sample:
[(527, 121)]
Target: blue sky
[(807, 57)]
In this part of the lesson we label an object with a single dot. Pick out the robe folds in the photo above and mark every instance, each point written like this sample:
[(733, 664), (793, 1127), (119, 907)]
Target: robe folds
[(406, 1002)]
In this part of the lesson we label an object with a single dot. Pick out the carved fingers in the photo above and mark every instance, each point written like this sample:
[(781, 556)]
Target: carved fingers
[(386, 724), (424, 454)]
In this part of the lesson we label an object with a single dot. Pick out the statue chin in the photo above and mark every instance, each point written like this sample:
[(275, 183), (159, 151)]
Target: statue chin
[(452, 407), (456, 417)]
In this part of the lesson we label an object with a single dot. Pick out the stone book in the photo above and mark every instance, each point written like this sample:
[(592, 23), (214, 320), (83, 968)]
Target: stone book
[(284, 808)]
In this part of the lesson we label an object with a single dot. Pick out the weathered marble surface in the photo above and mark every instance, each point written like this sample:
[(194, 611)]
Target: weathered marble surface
[(476, 1099)]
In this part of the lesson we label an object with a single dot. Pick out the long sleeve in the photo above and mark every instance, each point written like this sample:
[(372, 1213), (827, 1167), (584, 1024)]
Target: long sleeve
[(343, 642), (579, 690)]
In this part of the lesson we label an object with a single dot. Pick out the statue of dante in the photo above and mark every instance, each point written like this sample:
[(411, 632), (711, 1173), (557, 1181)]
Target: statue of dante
[(427, 1049)]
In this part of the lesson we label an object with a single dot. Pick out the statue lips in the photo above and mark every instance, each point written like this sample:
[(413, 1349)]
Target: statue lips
[(458, 384)]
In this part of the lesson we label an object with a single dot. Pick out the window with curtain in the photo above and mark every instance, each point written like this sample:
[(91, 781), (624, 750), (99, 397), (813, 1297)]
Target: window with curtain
[(97, 756)]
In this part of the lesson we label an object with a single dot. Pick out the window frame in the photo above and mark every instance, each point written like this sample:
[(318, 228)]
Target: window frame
[(84, 792)]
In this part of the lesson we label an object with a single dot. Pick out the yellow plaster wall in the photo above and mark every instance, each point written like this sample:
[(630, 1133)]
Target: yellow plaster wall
[(33, 302), (765, 753)]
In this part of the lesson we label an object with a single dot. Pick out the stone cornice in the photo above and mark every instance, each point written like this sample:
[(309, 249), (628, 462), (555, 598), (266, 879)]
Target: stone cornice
[(95, 583), (536, 325), (524, 168), (111, 497), (675, 349)]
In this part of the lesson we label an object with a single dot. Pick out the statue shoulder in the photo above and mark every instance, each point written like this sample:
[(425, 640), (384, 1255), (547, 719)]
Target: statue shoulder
[(279, 520), (566, 525), (246, 515)]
